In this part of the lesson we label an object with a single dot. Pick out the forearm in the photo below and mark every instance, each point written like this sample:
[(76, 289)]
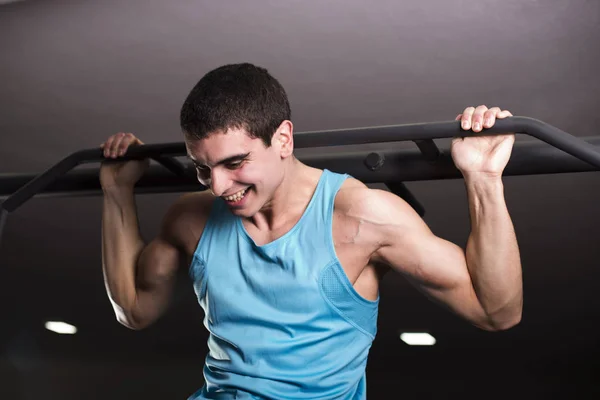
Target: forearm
[(492, 252), (121, 248)]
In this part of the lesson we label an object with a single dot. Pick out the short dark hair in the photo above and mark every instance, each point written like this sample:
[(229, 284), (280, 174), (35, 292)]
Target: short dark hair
[(242, 96)]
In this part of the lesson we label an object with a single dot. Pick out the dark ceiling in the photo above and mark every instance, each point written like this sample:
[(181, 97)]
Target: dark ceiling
[(75, 72)]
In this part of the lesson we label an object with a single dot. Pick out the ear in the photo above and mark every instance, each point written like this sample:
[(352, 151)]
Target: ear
[(284, 139)]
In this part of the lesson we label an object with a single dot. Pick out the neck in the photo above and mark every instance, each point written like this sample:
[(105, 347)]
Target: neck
[(291, 197)]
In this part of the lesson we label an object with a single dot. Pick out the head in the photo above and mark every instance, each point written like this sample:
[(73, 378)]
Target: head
[(237, 129)]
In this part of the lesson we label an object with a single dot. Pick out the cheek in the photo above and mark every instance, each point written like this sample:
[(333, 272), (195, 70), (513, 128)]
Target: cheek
[(249, 175), (262, 175)]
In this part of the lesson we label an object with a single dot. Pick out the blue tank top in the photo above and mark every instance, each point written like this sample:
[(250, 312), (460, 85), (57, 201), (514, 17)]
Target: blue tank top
[(284, 321)]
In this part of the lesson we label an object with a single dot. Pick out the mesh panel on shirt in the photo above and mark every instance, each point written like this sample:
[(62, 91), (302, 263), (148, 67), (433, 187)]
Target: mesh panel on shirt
[(358, 311)]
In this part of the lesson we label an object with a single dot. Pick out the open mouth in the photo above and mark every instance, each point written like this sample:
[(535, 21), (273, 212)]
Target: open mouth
[(237, 198)]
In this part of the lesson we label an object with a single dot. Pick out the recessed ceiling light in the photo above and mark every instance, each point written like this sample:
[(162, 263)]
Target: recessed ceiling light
[(417, 338), (61, 327)]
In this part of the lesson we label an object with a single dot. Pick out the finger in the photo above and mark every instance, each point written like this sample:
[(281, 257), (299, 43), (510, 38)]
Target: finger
[(127, 140), (458, 117), (108, 145), (504, 114), (489, 117), (114, 150), (466, 118), (477, 118)]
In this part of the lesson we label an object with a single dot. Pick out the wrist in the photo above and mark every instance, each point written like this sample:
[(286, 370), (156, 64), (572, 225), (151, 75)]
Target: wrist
[(484, 189), (483, 178), (116, 191)]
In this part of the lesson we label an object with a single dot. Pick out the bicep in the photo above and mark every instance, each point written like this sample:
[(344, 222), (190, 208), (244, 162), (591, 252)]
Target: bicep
[(435, 266), (428, 260), (155, 277), (160, 260), (180, 232), (157, 265)]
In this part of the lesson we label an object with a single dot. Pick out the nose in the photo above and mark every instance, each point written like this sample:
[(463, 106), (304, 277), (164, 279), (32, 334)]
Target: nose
[(219, 182)]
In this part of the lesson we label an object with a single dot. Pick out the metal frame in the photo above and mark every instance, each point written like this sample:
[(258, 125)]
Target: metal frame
[(566, 153)]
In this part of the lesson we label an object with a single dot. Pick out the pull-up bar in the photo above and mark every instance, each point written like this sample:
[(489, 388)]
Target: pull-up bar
[(420, 133), (369, 166)]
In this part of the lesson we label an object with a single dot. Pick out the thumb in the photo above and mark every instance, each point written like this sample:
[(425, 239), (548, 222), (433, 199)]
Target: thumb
[(457, 140)]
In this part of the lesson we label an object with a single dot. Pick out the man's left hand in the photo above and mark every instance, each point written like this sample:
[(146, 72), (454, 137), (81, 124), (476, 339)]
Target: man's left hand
[(482, 155)]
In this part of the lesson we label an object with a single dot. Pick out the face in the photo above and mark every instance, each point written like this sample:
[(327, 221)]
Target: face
[(240, 169)]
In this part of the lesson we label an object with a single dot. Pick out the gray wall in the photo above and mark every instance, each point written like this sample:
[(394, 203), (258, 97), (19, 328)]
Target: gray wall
[(75, 72)]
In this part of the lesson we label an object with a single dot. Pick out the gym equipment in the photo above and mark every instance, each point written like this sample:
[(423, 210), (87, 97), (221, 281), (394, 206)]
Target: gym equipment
[(566, 153)]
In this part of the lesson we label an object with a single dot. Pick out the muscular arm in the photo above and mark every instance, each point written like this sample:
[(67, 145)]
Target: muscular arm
[(139, 279), (492, 253), (482, 284)]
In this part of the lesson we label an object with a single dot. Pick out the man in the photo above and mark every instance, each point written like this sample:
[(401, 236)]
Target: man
[(286, 259)]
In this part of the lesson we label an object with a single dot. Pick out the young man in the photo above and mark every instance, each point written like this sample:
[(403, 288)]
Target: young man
[(286, 259)]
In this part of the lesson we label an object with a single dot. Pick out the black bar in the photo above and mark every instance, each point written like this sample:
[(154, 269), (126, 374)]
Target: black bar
[(86, 182), (428, 148), (3, 217), (542, 131), (160, 152), (438, 130), (405, 165), (86, 156), (172, 165)]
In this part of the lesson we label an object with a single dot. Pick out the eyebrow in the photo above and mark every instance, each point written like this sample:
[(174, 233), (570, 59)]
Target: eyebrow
[(234, 158)]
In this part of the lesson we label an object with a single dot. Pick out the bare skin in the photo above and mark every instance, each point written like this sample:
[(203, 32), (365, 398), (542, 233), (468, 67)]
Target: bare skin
[(373, 231)]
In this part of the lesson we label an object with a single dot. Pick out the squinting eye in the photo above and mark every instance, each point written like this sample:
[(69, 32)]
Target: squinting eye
[(234, 165)]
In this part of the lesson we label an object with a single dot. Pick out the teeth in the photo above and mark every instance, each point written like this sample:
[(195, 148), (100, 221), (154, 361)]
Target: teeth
[(236, 197)]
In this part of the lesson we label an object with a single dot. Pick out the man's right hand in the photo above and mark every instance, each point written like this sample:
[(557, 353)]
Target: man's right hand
[(121, 175)]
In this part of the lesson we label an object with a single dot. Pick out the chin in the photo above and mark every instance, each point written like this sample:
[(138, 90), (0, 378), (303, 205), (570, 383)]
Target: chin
[(243, 212), (240, 213)]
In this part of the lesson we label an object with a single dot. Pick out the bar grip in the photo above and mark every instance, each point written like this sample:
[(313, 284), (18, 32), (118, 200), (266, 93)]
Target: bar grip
[(339, 137), (86, 156), (439, 130)]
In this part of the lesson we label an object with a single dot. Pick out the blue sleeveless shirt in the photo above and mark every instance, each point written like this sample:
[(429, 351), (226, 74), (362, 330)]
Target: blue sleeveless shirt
[(284, 321)]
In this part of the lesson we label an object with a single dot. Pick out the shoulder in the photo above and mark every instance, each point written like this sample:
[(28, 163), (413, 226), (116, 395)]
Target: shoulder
[(379, 211), (185, 220), (354, 194), (350, 190)]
